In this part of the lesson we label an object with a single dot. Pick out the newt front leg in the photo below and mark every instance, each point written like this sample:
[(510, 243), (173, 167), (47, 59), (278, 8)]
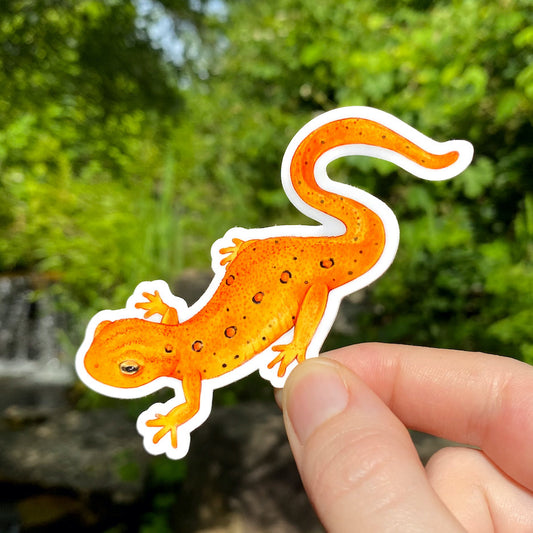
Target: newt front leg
[(169, 423), (309, 316), (155, 305)]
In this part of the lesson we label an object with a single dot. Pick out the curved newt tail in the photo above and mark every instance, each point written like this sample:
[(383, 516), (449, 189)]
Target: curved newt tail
[(347, 131)]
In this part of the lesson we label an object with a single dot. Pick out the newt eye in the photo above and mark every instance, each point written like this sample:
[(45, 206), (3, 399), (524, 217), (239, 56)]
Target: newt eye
[(169, 348), (129, 367)]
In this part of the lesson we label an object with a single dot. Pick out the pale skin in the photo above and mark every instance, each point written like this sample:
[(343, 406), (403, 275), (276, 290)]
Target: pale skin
[(346, 416)]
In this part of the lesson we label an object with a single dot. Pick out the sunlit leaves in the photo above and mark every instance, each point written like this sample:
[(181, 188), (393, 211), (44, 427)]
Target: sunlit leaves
[(452, 69), (110, 174)]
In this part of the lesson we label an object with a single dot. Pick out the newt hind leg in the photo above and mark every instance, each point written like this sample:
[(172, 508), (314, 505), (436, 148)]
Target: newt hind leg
[(311, 311), (233, 251), (288, 354)]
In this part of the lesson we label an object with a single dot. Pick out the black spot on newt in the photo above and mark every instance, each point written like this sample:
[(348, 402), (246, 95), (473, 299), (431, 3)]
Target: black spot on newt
[(327, 263), (285, 276), (230, 332), (197, 345)]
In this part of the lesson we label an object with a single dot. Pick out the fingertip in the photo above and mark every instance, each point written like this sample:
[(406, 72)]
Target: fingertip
[(357, 461), (314, 393)]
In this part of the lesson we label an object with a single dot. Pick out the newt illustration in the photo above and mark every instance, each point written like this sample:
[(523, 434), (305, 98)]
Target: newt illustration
[(276, 290)]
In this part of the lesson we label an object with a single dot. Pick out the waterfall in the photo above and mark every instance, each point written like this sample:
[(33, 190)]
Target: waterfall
[(29, 331)]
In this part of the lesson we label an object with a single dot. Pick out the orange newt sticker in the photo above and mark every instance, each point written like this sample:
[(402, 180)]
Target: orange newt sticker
[(276, 290)]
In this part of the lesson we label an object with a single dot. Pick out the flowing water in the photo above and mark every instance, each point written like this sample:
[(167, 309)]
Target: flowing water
[(29, 332)]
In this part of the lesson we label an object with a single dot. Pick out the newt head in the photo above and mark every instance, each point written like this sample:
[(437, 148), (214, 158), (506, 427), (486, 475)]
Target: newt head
[(132, 352)]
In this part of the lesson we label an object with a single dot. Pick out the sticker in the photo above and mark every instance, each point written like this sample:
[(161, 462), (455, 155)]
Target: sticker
[(275, 292)]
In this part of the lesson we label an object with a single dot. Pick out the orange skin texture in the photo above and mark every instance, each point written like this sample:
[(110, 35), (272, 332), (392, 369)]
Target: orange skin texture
[(270, 286)]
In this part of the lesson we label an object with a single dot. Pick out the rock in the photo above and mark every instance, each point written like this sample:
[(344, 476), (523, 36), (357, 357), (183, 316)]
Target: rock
[(242, 477), (191, 284), (47, 510), (64, 469), (93, 451)]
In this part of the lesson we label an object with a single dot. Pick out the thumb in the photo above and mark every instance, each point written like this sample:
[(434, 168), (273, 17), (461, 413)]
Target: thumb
[(356, 459)]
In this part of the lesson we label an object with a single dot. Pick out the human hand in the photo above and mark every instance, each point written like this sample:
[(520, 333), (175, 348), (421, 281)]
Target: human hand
[(346, 416)]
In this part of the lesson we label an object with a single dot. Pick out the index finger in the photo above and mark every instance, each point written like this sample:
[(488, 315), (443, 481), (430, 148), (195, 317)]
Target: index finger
[(472, 398)]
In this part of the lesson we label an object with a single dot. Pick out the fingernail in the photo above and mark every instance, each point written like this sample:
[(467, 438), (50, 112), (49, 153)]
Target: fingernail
[(316, 394)]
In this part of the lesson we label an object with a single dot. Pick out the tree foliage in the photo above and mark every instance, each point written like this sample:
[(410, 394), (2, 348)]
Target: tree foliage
[(463, 276), (118, 165), (86, 107)]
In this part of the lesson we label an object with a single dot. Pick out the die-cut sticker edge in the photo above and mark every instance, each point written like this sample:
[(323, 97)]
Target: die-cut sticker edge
[(175, 443)]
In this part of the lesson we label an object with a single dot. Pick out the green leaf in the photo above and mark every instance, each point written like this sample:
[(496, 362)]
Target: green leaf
[(476, 178)]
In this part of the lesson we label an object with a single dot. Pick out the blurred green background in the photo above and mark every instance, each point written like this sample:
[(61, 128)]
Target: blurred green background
[(134, 134)]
